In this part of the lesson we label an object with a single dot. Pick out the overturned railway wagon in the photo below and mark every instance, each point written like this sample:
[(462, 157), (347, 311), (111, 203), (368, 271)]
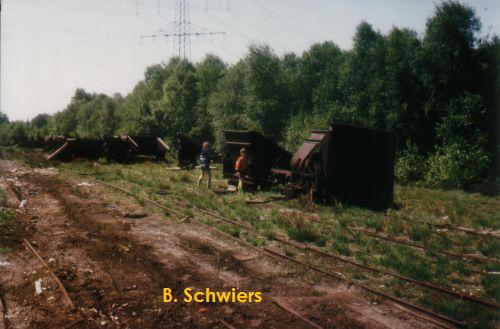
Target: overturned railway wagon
[(52, 143), (151, 147), (263, 155), (345, 163), (72, 148), (120, 148), (189, 150)]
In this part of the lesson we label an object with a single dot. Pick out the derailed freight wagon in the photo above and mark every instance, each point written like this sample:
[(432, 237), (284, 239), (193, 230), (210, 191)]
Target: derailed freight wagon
[(88, 148), (121, 148), (52, 143), (189, 151), (151, 146), (263, 155), (345, 163)]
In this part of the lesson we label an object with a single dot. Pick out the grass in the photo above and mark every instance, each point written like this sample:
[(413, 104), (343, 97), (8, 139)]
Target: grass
[(7, 223), (3, 198), (5, 250), (5, 217), (332, 229)]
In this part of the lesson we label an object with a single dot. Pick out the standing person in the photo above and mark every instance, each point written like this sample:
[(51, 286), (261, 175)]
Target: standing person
[(241, 168), (205, 160)]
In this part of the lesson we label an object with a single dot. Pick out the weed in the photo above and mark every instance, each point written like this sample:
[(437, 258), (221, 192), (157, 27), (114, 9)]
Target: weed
[(420, 232), (4, 217), (5, 250), (359, 276), (206, 248), (320, 241), (407, 262), (270, 235), (3, 198), (341, 248), (491, 284), (164, 185), (304, 233), (489, 247), (256, 240), (343, 221), (374, 223), (230, 229)]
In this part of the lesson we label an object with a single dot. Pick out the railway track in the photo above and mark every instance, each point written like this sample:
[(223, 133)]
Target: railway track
[(457, 256), (301, 246), (466, 257), (277, 255), (462, 229)]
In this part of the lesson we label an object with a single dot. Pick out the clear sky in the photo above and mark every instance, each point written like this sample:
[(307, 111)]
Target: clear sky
[(51, 47)]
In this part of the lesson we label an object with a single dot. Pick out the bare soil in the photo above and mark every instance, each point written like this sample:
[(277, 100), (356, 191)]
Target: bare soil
[(114, 268)]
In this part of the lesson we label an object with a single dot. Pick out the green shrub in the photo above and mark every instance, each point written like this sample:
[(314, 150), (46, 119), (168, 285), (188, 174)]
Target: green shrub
[(457, 166), (410, 166), (304, 233)]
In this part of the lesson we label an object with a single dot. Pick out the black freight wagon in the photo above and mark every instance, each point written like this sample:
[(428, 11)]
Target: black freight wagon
[(263, 155), (120, 148), (361, 166), (52, 143), (73, 148), (345, 163), (151, 147), (189, 151)]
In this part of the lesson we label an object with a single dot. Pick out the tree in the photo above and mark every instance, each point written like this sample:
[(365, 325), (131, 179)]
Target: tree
[(265, 94), (226, 104), (317, 66), (404, 95), (175, 112), (3, 118), (208, 74), (40, 121), (450, 36), (19, 134), (363, 77), (447, 60)]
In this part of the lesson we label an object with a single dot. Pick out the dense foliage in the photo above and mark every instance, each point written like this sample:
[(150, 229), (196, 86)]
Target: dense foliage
[(437, 93)]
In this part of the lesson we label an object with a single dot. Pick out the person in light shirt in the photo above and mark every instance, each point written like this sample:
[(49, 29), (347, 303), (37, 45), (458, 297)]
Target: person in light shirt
[(205, 160)]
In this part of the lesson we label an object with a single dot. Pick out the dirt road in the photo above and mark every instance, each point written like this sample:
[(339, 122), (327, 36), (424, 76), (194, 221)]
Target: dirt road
[(114, 268)]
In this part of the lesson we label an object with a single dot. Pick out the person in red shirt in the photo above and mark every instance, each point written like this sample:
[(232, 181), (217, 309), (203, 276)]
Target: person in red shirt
[(241, 168)]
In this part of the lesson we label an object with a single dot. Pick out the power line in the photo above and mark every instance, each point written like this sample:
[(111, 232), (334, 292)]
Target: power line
[(182, 32), (290, 26)]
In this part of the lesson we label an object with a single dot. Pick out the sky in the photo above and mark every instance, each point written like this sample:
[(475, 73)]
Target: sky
[(51, 47)]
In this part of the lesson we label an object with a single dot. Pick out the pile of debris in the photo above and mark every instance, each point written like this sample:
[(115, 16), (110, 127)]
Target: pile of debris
[(122, 148)]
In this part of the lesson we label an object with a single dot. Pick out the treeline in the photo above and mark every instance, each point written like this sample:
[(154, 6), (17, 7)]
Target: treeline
[(436, 92)]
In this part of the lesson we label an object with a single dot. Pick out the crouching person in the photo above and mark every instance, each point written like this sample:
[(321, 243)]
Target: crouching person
[(205, 160), (241, 168)]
